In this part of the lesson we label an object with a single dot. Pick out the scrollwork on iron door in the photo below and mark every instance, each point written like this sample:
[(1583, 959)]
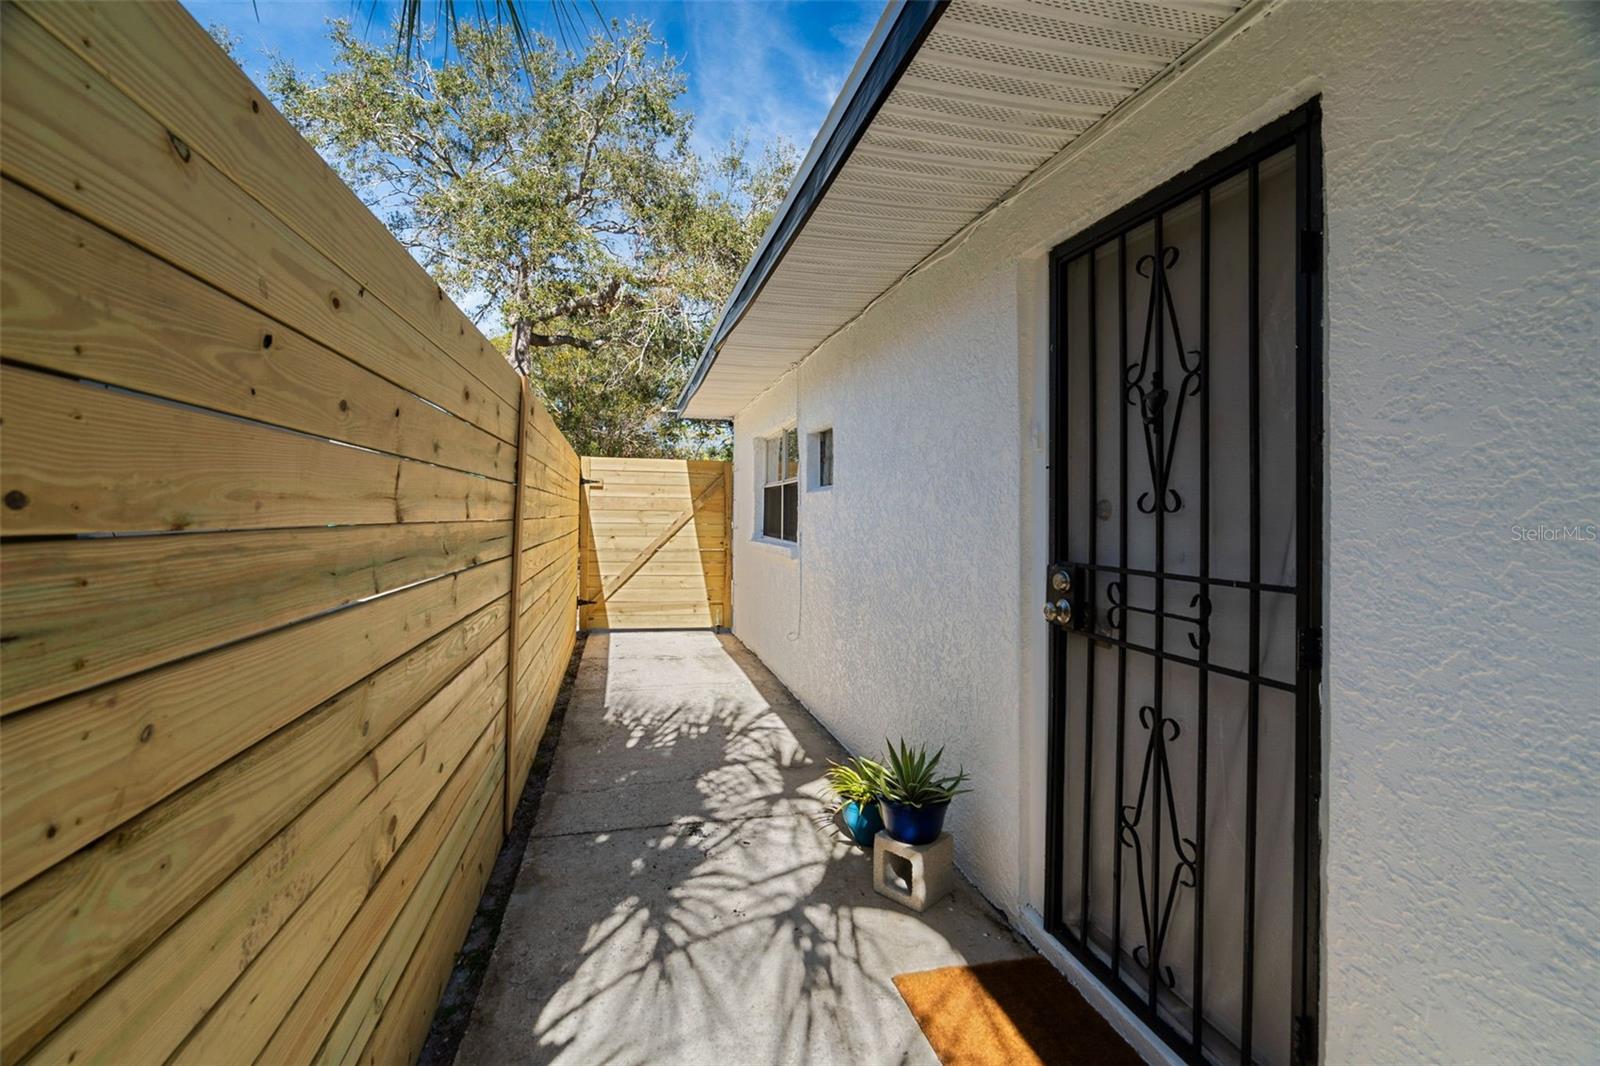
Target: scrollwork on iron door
[(1184, 849), (1146, 390), (1116, 614), (1217, 867)]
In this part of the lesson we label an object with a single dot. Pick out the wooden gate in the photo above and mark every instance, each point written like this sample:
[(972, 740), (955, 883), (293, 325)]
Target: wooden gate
[(653, 544)]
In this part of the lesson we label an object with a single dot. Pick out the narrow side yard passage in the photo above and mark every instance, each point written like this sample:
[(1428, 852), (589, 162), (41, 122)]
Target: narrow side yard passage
[(685, 897)]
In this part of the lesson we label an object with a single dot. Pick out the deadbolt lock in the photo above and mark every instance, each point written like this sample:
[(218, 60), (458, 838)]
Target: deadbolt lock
[(1059, 612), (1067, 587)]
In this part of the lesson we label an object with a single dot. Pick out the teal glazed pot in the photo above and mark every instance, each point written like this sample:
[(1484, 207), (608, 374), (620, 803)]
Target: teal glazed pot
[(863, 823), (914, 825)]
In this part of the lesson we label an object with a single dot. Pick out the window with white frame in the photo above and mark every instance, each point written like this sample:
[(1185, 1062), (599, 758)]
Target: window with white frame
[(780, 487)]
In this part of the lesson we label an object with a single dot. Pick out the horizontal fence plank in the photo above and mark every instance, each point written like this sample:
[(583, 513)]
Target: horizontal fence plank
[(623, 615), (539, 575), (544, 424), (647, 470), (543, 659), (548, 456), (541, 682), (537, 531), (697, 615), (408, 1015), (563, 546), (82, 612), (71, 135), (545, 598), (621, 507), (220, 113), (131, 886), (681, 563), (646, 495), (144, 1013), (289, 566), (82, 301), (689, 558), (643, 588), (609, 544), (547, 543), (81, 459), (370, 996), (544, 503), (322, 951), (707, 517), (75, 769)]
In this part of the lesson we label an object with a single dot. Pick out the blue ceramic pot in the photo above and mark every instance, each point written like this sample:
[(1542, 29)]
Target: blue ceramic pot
[(914, 825), (862, 822)]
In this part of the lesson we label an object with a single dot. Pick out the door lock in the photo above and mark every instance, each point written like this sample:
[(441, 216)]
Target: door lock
[(1067, 605)]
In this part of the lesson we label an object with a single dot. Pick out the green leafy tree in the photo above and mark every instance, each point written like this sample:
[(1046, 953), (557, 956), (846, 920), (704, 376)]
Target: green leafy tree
[(557, 193)]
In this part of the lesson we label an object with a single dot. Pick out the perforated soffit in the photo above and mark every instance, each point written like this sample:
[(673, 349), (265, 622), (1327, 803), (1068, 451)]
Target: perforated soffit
[(996, 88)]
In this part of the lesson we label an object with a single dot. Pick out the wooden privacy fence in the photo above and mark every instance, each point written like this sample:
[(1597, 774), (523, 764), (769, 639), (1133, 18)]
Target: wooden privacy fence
[(654, 543), (288, 574)]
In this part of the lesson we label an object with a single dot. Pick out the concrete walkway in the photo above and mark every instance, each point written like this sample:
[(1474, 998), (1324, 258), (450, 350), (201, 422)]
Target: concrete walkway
[(685, 898)]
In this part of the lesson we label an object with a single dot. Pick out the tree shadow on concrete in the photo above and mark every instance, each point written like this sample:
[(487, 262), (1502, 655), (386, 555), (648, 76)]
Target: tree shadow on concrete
[(686, 896)]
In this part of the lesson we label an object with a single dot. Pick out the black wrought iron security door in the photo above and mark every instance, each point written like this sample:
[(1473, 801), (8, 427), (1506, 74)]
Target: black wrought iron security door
[(1184, 604)]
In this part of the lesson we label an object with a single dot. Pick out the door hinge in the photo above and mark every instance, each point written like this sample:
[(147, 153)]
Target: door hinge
[(1311, 648), (586, 603), (1305, 1039), (1310, 251)]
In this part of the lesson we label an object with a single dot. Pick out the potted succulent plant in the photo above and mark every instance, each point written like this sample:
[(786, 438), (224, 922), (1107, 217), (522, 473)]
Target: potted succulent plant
[(859, 785), (914, 795)]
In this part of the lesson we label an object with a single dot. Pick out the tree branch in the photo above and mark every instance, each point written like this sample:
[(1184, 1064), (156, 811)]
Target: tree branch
[(557, 340), (600, 302)]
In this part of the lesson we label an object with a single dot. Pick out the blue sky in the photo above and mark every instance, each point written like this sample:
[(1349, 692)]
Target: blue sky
[(761, 68)]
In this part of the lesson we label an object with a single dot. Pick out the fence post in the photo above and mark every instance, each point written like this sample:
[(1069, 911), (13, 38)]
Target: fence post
[(512, 641)]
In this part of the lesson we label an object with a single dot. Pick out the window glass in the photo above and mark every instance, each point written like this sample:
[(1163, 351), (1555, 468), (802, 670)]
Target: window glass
[(772, 511), (780, 457), (791, 510), (825, 457), (771, 448), (791, 453)]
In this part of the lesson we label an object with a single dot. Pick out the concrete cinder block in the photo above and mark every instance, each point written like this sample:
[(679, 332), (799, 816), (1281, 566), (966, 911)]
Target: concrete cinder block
[(914, 875)]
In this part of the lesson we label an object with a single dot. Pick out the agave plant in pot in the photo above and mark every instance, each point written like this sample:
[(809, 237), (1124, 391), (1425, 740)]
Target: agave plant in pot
[(915, 796), (859, 785)]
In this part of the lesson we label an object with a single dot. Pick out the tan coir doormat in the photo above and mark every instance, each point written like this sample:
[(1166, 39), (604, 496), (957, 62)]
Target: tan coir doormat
[(1014, 1013)]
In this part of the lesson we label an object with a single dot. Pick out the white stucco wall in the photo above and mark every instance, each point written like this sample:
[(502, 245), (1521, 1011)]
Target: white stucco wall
[(1462, 692), (897, 613)]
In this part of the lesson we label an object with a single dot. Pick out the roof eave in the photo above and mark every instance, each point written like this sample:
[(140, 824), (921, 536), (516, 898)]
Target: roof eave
[(894, 41)]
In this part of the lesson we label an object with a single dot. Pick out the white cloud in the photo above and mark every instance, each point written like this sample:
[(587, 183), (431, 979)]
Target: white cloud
[(752, 73)]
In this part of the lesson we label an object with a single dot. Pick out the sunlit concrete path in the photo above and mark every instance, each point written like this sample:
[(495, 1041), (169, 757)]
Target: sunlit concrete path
[(685, 898)]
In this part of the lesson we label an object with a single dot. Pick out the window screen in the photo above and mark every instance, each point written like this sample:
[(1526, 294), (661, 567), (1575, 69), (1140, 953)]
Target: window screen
[(780, 491)]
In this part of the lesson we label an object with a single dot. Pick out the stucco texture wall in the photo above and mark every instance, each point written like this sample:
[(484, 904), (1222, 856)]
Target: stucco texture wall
[(896, 615), (1462, 161)]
